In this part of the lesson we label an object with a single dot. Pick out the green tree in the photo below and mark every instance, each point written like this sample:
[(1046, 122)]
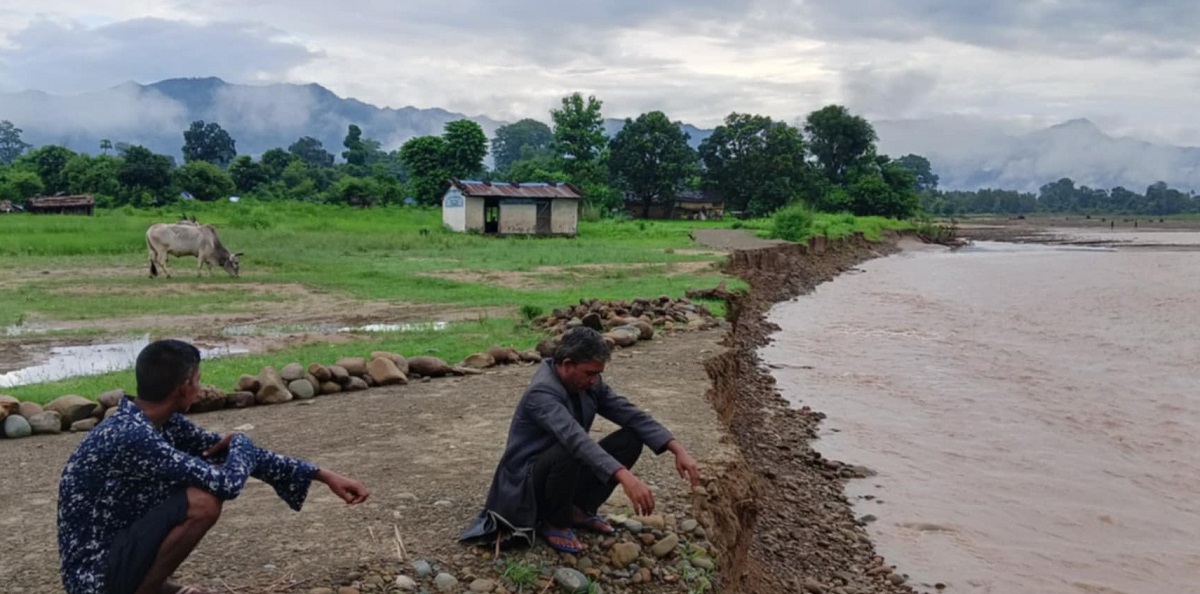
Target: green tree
[(525, 139), (838, 140), (247, 175), (11, 145), (203, 180), (466, 146), (356, 191), (105, 146), (85, 174), (537, 169), (651, 159), (579, 135), (274, 161), (48, 161), (424, 157), (144, 174), (881, 188), (209, 143), (19, 184), (356, 150), (924, 179), (756, 164), (311, 151)]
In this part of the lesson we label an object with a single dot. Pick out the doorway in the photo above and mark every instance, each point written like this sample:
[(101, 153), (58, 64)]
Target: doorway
[(491, 215), (543, 217)]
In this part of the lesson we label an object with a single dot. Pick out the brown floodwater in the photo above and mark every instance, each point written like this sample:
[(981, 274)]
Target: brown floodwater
[(1033, 412)]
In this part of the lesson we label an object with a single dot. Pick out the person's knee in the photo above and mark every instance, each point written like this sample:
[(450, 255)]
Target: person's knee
[(204, 508), (625, 446)]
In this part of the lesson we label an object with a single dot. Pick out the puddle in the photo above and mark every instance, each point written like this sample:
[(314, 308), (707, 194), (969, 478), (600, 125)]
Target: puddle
[(256, 330), (76, 361)]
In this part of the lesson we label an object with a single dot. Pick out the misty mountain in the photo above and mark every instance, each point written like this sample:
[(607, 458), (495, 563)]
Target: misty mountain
[(968, 154)]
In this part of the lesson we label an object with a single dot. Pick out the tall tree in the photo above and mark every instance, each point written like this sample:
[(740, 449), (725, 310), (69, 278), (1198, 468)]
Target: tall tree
[(274, 161), (424, 157), (651, 159), (838, 140), (209, 143), (466, 146), (528, 136), (757, 164), (311, 151), (924, 177), (247, 175), (49, 161), (85, 174), (204, 181), (11, 145), (105, 146), (356, 151), (144, 172), (579, 133)]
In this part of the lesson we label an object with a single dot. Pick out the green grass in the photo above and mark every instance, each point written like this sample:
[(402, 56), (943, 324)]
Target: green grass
[(522, 574), (72, 268)]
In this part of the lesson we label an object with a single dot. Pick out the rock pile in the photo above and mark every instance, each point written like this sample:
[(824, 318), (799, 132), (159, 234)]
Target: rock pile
[(625, 322), (644, 554)]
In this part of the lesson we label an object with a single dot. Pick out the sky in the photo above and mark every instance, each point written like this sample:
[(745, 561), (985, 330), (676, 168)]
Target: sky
[(1130, 66)]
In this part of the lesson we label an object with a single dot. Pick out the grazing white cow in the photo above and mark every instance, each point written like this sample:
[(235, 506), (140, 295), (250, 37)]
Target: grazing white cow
[(188, 239)]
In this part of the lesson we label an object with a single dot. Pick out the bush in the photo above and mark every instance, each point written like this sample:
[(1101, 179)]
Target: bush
[(792, 223)]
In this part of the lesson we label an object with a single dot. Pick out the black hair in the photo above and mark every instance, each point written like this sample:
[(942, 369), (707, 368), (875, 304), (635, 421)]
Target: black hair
[(581, 344), (163, 366)]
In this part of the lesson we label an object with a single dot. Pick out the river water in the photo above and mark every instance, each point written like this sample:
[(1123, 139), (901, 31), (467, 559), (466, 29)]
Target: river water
[(1033, 412)]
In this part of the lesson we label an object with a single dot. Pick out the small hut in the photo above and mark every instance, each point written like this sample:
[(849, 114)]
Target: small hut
[(82, 204), (688, 204), (502, 208)]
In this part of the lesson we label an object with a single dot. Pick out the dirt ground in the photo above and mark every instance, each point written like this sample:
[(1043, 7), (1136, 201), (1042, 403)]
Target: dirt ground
[(426, 451)]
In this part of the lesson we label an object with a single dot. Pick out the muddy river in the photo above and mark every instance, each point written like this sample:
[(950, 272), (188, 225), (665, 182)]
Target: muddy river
[(1033, 412)]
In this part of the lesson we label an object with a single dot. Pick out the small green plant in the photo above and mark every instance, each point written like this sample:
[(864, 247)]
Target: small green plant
[(594, 588), (792, 223), (531, 312), (522, 574)]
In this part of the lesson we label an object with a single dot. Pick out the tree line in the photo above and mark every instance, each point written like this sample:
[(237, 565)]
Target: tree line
[(1063, 196)]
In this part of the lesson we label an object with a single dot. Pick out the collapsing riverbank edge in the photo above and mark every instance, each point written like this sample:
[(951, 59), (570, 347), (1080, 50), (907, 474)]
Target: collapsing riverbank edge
[(780, 516)]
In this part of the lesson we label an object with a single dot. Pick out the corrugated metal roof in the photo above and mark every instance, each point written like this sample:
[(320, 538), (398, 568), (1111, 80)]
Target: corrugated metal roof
[(479, 189), (57, 201)]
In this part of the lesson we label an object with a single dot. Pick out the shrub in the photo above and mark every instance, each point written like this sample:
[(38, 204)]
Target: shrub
[(792, 223)]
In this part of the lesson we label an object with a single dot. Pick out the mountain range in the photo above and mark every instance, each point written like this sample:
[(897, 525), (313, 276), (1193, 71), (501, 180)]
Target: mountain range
[(965, 153)]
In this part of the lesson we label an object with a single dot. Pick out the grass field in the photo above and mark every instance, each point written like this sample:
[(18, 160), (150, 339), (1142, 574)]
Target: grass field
[(56, 269)]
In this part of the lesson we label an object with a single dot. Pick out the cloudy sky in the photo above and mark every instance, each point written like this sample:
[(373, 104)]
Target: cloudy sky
[(1129, 65)]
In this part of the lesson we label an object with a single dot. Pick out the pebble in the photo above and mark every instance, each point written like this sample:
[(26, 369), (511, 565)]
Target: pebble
[(406, 583), (633, 526), (443, 503), (406, 497), (321, 591), (422, 568), (703, 563), (813, 586), (482, 585), (624, 553), (348, 590), (896, 578), (688, 525), (666, 546), (571, 581), (445, 582)]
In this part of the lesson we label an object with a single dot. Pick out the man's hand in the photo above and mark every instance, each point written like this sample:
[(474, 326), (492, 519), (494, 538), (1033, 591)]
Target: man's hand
[(350, 490), (685, 465), (220, 447), (637, 492)]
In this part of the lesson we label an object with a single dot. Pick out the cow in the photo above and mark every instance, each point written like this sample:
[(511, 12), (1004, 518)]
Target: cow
[(188, 239)]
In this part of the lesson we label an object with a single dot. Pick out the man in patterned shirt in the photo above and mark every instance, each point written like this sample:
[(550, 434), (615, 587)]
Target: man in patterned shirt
[(146, 484)]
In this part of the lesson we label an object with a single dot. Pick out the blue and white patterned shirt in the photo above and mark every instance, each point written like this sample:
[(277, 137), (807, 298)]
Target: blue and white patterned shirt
[(126, 466)]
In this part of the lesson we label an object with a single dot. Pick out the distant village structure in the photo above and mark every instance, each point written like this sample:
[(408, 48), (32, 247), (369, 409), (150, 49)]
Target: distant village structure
[(81, 204), (688, 205), (502, 208)]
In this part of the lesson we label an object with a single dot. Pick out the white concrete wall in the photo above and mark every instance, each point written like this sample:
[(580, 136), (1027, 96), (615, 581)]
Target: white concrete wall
[(474, 214), (517, 217), (564, 217), (454, 210)]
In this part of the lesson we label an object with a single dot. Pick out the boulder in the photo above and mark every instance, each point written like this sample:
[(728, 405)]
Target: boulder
[(340, 375), (504, 355), (312, 379), (83, 426), (111, 398), (399, 360), (545, 348), (247, 383), (623, 337), (353, 365), (28, 409), (593, 321), (609, 342), (355, 384), (302, 389), (45, 422), (386, 372), (16, 427), (330, 387), (320, 372), (292, 372), (479, 361), (9, 405), (428, 366), (110, 412), (647, 330), (531, 356), (271, 389), (371, 383), (460, 370), (72, 408), (240, 400), (210, 399)]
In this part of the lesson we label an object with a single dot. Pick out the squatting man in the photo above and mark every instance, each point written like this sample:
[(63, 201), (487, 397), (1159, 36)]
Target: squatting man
[(144, 486), (553, 476)]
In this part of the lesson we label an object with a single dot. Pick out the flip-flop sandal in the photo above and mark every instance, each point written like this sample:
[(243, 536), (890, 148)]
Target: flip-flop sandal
[(596, 524), (568, 536)]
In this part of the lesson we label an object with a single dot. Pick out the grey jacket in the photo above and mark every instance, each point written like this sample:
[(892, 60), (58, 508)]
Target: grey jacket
[(547, 415)]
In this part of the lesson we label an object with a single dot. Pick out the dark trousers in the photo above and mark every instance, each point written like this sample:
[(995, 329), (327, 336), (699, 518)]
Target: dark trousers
[(561, 482)]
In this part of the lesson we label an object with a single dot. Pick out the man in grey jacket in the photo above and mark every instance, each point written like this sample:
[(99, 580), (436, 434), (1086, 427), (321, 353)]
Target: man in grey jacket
[(553, 476)]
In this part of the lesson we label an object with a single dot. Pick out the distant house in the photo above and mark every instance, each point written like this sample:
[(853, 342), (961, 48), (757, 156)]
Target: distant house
[(688, 204), (83, 204), (503, 208)]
